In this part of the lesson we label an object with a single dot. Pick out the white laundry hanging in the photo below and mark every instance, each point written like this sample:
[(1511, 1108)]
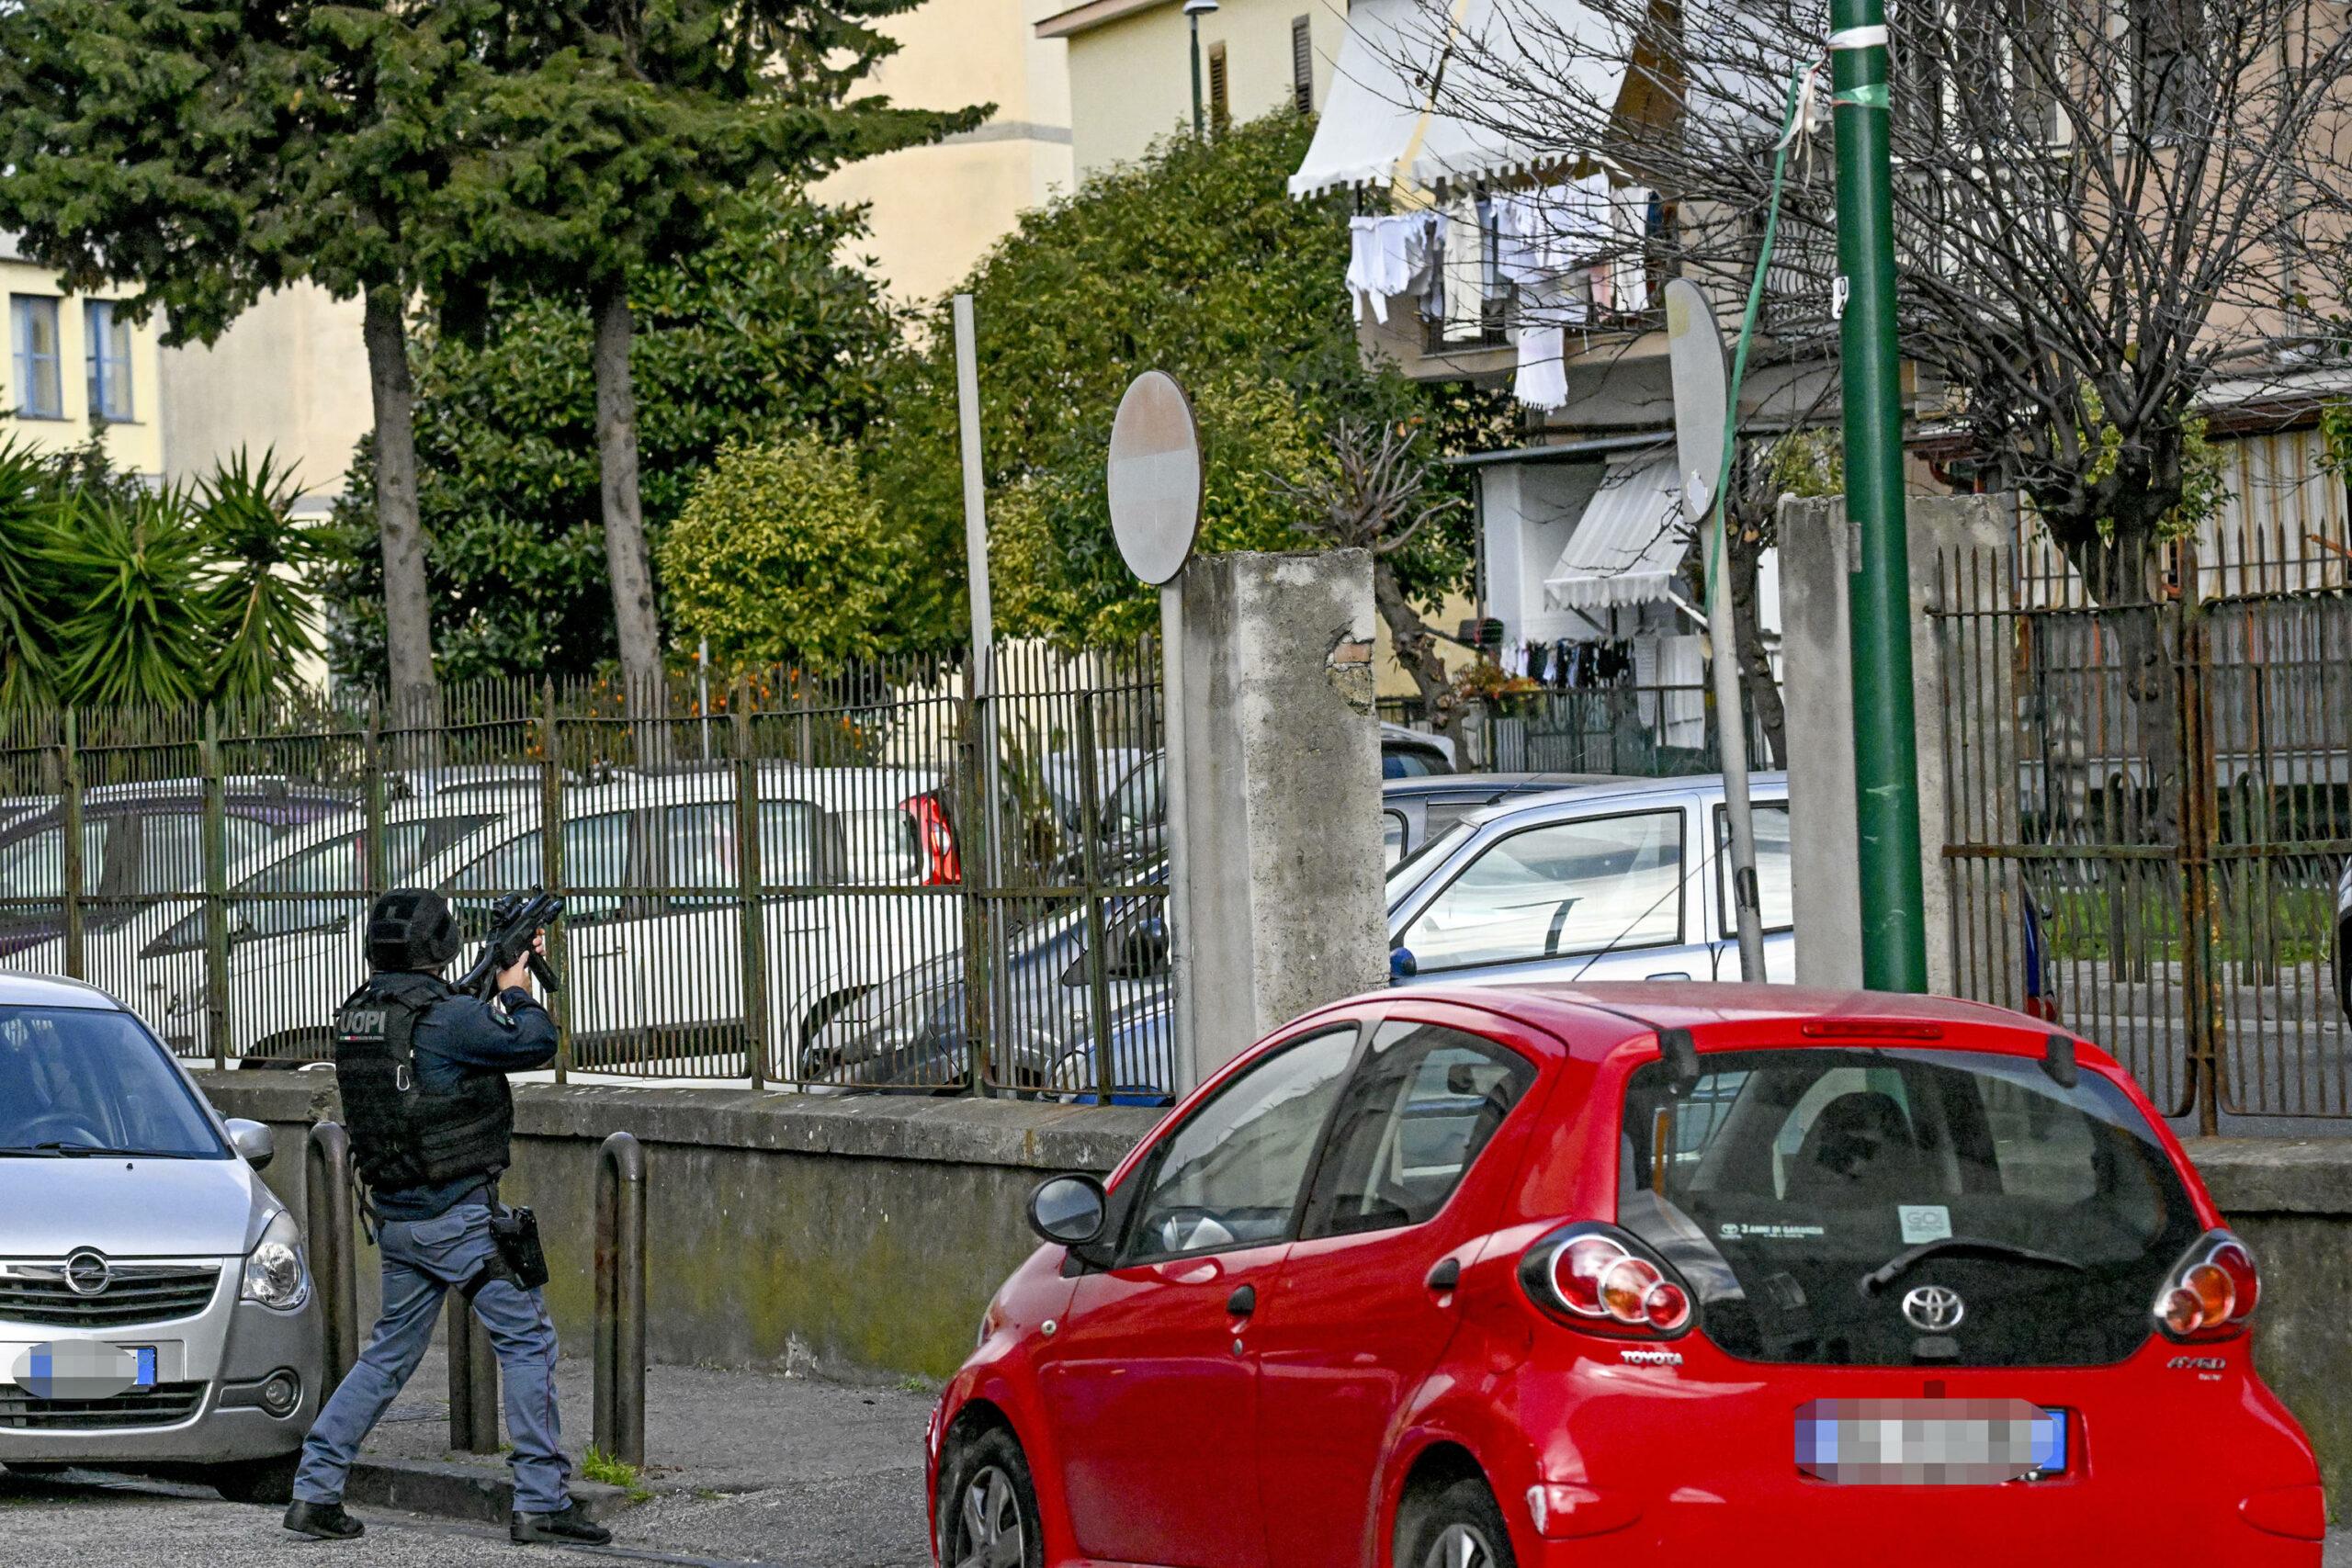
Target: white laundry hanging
[(1462, 269), (1629, 282), (1388, 256), (1546, 311)]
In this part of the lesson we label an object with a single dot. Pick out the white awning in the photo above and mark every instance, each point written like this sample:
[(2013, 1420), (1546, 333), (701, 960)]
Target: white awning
[(1628, 545), (1404, 61)]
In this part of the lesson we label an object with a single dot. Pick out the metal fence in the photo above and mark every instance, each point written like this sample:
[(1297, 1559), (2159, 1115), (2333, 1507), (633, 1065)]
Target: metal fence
[(1640, 731), (795, 879), (2149, 808)]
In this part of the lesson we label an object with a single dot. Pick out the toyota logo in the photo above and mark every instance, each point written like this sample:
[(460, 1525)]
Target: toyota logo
[(87, 1273), (1932, 1309)]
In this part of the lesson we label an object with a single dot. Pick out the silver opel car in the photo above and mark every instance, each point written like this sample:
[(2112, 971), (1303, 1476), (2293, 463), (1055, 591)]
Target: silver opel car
[(155, 1304)]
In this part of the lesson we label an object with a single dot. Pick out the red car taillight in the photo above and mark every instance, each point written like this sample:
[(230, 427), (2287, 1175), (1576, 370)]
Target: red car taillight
[(1596, 1276), (942, 865), (2212, 1292)]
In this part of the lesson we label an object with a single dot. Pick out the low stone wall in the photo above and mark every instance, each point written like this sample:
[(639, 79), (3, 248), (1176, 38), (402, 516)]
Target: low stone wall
[(862, 1237), (858, 1237)]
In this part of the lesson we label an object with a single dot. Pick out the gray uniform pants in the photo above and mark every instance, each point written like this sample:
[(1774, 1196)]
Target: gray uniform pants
[(423, 1260)]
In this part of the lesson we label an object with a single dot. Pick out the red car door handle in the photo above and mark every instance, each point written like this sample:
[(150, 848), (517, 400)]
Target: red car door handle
[(1445, 1276), (1243, 1302)]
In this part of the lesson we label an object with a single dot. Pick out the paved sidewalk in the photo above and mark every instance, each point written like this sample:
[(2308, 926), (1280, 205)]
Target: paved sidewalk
[(739, 1465)]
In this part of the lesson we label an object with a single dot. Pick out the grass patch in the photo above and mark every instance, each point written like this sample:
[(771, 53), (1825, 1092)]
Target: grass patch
[(603, 1467)]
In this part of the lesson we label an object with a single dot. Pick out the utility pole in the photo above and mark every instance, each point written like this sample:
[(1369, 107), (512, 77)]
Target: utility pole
[(1193, 11), (1886, 766)]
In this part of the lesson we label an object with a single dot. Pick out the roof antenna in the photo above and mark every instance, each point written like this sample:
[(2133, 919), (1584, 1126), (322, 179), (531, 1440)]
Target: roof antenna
[(1680, 1054), (2058, 1061)]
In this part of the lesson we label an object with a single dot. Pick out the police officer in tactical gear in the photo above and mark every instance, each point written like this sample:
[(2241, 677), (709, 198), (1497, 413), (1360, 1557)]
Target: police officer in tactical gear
[(423, 1073)]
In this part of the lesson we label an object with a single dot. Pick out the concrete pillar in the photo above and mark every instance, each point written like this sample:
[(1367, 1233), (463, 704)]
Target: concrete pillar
[(1817, 552), (1282, 909)]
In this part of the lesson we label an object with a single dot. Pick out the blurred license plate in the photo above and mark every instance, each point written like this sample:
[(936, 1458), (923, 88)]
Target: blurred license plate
[(1929, 1442)]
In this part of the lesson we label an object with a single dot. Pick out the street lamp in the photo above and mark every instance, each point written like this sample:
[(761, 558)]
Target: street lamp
[(1193, 11)]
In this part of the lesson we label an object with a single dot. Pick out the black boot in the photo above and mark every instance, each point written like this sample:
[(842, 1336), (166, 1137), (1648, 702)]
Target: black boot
[(325, 1521), (570, 1526)]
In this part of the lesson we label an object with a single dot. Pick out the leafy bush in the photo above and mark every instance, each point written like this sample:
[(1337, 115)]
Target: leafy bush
[(780, 554)]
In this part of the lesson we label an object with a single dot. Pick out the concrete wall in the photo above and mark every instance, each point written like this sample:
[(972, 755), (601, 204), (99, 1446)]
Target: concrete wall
[(856, 1238), (864, 1237), (1282, 906), (1817, 558), (135, 444)]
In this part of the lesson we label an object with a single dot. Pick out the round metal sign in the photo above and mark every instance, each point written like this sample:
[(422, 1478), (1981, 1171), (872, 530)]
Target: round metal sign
[(1154, 476), (1694, 353)]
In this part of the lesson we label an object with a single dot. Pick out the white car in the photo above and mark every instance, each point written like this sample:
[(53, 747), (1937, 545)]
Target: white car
[(1603, 882), (859, 867)]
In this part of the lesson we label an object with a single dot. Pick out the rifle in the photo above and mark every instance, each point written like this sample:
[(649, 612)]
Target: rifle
[(515, 922)]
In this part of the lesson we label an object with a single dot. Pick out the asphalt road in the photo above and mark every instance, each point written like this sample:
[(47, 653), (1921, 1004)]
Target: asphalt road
[(74, 1521)]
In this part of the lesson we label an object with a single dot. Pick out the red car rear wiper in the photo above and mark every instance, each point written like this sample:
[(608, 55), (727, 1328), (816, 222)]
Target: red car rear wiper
[(1893, 1268)]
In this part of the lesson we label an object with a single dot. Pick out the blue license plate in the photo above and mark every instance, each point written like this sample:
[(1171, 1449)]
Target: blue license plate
[(1929, 1442)]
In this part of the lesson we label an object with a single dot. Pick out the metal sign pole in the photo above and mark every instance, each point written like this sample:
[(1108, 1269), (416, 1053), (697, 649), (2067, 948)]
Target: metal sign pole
[(1153, 480), (1703, 425), (983, 671), (1179, 919)]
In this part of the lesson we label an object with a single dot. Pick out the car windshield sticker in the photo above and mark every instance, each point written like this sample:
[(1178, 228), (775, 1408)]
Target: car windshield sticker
[(1924, 1221), (1732, 1230)]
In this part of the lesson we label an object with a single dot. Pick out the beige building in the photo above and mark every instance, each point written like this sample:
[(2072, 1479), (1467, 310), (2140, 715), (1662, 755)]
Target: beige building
[(1131, 76), (936, 209), (290, 377), (73, 361)]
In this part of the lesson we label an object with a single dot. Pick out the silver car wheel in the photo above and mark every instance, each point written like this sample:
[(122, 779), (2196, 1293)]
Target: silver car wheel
[(993, 1537), (1459, 1546)]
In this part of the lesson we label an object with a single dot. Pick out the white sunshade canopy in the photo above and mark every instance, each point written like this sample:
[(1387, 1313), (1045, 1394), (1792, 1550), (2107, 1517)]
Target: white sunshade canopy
[(1628, 545), (1407, 66)]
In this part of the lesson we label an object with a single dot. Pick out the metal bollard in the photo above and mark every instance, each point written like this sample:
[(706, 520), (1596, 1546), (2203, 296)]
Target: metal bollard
[(473, 1383), (334, 1259), (620, 1300)]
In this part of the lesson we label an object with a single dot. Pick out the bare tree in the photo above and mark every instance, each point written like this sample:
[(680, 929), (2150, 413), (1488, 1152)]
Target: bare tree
[(2112, 217), (1376, 496)]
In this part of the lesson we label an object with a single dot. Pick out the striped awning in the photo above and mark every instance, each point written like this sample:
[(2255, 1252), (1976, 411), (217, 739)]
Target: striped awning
[(1628, 546), (1386, 121)]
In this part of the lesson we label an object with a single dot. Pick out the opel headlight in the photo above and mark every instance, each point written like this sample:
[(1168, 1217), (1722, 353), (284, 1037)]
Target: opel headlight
[(274, 1272)]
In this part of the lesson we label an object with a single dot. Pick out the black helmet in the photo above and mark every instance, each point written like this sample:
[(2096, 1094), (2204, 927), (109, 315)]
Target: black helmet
[(411, 927)]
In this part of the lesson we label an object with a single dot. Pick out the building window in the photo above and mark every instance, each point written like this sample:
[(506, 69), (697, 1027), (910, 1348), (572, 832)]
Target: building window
[(1220, 100), (1302, 65), (109, 360), (41, 392)]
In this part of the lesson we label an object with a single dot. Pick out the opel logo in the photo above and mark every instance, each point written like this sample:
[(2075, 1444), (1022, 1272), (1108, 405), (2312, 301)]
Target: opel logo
[(87, 1273), (1932, 1309)]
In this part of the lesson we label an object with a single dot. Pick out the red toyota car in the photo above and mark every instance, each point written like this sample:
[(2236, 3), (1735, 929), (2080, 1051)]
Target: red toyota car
[(1594, 1274)]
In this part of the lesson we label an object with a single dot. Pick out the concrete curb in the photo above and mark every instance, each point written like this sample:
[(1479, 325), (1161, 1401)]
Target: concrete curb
[(458, 1490)]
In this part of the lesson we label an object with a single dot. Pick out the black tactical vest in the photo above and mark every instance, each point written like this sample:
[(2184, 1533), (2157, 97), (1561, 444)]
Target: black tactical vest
[(401, 1135)]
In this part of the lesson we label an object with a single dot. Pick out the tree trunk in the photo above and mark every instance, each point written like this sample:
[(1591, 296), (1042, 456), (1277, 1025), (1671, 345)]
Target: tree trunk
[(2126, 578), (635, 625), (1747, 636), (1416, 647), (408, 606)]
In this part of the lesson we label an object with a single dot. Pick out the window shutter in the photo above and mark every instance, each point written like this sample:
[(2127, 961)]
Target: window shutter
[(1220, 104), (1302, 65)]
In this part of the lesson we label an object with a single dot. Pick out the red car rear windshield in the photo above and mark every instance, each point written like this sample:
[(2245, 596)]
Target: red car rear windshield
[(1815, 1196)]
